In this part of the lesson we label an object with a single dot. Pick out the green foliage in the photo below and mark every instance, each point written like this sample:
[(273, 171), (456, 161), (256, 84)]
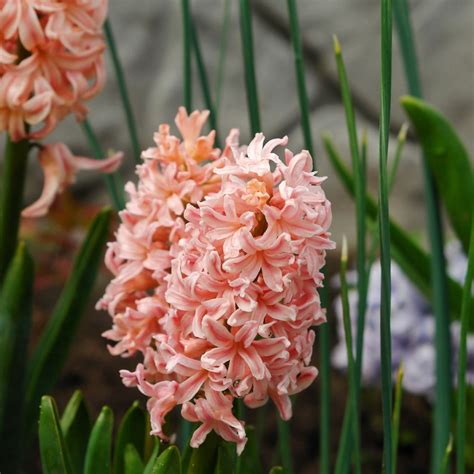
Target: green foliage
[(448, 161), (99, 448), (54, 453), (413, 260), (16, 297), (169, 462), (53, 347), (203, 460), (249, 460), (76, 428), (132, 431)]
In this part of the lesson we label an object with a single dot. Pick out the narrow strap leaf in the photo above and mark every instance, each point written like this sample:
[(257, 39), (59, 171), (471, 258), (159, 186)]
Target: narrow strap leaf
[(249, 460), (225, 458), (11, 199), (249, 66), (187, 65), (52, 350), (440, 298), (54, 454), (122, 85), (396, 417), (203, 459), (133, 462), (99, 448), (466, 314), (154, 455), (132, 430), (76, 428), (16, 299), (169, 462)]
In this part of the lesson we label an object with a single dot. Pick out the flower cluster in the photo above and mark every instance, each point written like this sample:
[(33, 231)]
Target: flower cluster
[(217, 265), (413, 329), (51, 60)]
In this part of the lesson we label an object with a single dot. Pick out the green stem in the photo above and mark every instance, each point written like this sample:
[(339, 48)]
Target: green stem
[(249, 65), (222, 52), (353, 393), (461, 400), (442, 408), (359, 181), (11, 199), (324, 330), (396, 417), (384, 229), (187, 70), (284, 444), (206, 91), (127, 107), (113, 181), (300, 78)]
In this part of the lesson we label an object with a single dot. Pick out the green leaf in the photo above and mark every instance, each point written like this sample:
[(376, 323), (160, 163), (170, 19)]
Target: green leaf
[(122, 86), (249, 66), (448, 161), (414, 261), (169, 462), (132, 430), (11, 199), (54, 454), (396, 417), (99, 448), (133, 462), (15, 322), (52, 350), (249, 460), (276, 470), (225, 458), (76, 427), (466, 314), (203, 459), (153, 456)]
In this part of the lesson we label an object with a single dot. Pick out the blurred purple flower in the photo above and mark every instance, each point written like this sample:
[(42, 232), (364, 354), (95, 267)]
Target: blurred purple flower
[(413, 329)]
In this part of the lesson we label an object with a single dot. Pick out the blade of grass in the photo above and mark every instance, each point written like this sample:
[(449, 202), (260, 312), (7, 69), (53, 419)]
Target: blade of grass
[(396, 417), (384, 229), (353, 398), (113, 181), (442, 408), (122, 85), (344, 453), (11, 199), (325, 412), (222, 51), (249, 66), (187, 42), (206, 92), (466, 312)]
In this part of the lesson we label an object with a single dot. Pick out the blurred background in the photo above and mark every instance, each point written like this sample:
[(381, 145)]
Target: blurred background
[(149, 39)]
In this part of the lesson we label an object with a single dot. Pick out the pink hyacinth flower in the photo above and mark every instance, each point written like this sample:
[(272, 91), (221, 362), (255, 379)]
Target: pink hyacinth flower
[(217, 265), (59, 168)]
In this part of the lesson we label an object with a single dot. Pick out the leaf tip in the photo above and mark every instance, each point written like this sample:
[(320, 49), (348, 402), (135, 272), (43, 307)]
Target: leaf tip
[(336, 45)]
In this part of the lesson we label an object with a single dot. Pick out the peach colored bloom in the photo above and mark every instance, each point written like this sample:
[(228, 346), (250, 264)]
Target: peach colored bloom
[(51, 61), (216, 269), (60, 167)]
